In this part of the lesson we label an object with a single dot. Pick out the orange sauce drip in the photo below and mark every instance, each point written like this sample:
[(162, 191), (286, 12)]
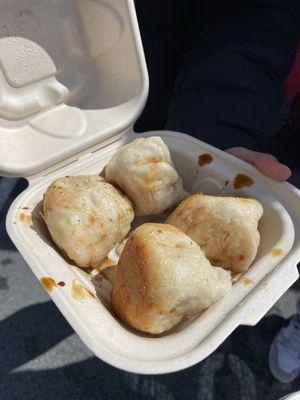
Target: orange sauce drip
[(48, 283)]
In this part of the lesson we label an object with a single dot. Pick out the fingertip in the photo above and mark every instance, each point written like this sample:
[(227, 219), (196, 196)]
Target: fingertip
[(273, 168), (286, 172)]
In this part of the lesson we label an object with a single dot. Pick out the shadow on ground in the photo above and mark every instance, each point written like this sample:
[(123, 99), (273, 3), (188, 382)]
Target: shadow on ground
[(17, 186), (238, 370)]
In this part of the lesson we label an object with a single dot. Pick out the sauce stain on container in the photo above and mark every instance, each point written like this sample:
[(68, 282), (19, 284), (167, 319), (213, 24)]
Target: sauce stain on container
[(205, 159), (80, 292), (275, 252), (48, 283), (61, 284), (107, 262), (242, 180), (25, 218), (247, 281)]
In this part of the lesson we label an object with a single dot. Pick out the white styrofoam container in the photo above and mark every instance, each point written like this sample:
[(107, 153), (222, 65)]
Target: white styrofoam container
[(63, 130)]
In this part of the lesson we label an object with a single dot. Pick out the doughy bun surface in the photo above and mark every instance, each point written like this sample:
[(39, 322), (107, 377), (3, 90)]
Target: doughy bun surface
[(143, 169), (224, 227), (162, 277), (86, 217)]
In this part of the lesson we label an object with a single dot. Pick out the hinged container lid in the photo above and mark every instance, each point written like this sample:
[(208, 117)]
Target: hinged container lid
[(72, 74)]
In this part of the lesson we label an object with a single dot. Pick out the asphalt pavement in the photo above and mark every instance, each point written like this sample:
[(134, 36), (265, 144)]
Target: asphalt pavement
[(42, 358)]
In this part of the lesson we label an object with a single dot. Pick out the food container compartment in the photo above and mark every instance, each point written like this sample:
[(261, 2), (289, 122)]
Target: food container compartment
[(73, 81), (273, 271)]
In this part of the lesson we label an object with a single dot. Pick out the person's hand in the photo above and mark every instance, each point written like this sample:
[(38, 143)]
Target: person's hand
[(265, 163)]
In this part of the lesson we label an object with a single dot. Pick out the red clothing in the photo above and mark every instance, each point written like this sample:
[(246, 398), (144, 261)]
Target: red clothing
[(292, 82)]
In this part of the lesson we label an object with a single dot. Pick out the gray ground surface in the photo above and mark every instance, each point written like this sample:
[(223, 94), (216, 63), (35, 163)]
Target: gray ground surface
[(42, 358)]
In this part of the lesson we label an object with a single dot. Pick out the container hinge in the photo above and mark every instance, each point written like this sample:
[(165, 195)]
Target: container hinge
[(77, 158)]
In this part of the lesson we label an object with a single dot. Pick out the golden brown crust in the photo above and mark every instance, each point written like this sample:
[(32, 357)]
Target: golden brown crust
[(131, 294), (162, 277)]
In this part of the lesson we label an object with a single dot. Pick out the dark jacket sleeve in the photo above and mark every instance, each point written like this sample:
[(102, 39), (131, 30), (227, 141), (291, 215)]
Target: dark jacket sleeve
[(230, 89)]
